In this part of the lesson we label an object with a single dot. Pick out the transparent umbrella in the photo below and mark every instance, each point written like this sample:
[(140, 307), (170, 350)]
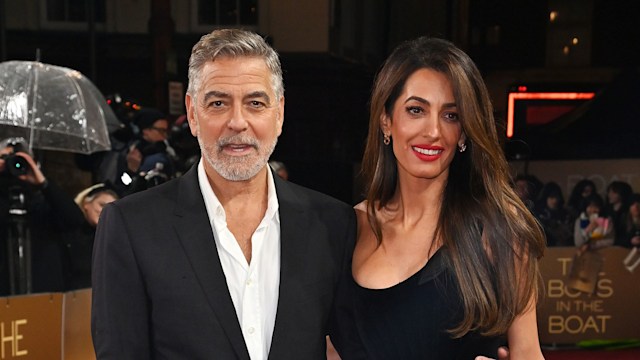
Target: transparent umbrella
[(53, 108)]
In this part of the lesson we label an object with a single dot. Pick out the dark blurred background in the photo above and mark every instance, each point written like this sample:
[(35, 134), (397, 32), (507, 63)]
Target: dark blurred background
[(330, 51)]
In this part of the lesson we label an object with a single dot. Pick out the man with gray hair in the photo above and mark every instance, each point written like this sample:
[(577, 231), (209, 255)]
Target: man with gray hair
[(227, 261)]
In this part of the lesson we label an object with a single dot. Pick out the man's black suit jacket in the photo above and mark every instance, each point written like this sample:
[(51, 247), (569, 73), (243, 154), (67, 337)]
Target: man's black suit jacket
[(159, 291)]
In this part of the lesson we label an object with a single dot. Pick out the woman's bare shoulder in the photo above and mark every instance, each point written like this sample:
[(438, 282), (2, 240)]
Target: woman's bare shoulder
[(362, 216), (361, 206)]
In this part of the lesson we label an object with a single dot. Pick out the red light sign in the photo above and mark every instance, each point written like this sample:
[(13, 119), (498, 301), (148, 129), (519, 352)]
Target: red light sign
[(539, 96)]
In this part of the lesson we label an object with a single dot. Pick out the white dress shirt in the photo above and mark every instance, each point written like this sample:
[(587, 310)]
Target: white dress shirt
[(253, 286)]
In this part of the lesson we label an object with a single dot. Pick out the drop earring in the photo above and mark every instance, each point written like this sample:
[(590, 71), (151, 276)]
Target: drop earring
[(386, 139), (462, 147)]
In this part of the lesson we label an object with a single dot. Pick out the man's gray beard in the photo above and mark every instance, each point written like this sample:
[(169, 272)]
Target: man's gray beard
[(236, 168)]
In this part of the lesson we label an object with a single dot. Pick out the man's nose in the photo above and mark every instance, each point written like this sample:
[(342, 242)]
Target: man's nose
[(238, 121)]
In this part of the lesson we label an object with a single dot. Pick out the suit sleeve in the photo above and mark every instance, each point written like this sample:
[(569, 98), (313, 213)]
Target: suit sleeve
[(119, 314)]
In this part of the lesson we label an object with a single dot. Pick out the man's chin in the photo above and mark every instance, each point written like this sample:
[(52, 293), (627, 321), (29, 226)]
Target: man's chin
[(233, 173)]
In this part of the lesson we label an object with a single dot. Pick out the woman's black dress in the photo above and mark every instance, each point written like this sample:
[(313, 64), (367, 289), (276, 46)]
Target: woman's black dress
[(407, 321)]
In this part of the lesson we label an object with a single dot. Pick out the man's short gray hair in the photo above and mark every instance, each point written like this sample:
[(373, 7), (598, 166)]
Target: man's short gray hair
[(233, 43)]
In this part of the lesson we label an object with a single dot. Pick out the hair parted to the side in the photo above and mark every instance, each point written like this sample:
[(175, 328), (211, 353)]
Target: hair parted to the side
[(233, 43), (484, 227)]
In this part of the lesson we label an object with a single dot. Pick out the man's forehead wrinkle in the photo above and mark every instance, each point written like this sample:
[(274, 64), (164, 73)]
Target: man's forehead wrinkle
[(240, 79)]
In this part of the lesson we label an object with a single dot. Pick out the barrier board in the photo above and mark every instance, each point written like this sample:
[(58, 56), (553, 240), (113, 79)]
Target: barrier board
[(566, 316), (46, 326)]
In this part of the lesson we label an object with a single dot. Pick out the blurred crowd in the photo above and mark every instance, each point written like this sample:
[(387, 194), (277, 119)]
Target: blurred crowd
[(148, 148), (591, 218)]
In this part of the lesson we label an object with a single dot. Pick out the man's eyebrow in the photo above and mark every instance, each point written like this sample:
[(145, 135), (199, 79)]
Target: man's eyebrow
[(214, 93), (259, 94), (252, 95)]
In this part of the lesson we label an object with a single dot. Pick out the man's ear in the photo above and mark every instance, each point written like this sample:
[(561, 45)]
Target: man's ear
[(189, 103), (280, 119)]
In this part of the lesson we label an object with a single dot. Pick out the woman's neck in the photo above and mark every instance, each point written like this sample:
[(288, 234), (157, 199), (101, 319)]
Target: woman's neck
[(416, 201)]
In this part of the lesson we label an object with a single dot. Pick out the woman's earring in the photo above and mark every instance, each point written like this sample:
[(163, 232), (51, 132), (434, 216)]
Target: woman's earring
[(386, 139), (462, 147)]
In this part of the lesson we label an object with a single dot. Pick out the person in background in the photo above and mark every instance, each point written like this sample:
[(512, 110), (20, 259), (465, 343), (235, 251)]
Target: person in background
[(185, 145), (446, 259), (280, 169), (28, 197), (93, 199), (227, 261), (617, 206), (632, 233), (553, 216), (527, 188), (581, 190), (593, 229), (148, 159), (151, 146), (78, 242)]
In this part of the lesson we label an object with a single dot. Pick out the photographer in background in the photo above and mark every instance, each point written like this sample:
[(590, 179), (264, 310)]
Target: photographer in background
[(78, 242), (29, 199), (148, 160)]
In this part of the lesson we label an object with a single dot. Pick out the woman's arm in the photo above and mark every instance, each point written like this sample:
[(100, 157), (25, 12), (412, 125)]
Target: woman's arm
[(522, 338), (522, 335)]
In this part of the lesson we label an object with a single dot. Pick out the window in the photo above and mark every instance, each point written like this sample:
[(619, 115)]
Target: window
[(227, 13), (73, 11)]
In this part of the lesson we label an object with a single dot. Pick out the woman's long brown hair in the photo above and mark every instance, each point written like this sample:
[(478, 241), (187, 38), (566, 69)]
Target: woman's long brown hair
[(493, 242)]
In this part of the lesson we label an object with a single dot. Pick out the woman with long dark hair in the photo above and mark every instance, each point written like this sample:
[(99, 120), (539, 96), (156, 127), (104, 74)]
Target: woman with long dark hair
[(446, 260)]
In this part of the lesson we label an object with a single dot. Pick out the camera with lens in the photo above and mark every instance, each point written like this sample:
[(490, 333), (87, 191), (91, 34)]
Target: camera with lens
[(16, 165)]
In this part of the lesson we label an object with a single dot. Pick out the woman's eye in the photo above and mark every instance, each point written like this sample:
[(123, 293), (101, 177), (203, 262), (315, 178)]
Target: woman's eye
[(414, 110), (451, 116)]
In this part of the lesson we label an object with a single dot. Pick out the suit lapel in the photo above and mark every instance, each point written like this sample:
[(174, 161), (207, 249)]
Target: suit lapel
[(196, 237), (293, 249)]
